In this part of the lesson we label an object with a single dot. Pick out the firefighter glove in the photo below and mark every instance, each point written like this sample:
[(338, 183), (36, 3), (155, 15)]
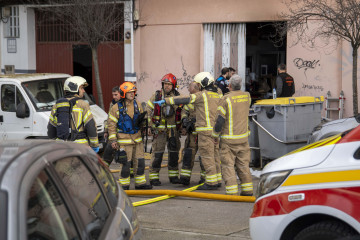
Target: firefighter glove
[(161, 102), (96, 149)]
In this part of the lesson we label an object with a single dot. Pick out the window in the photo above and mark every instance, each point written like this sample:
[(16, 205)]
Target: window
[(12, 26), (47, 216), (10, 97), (85, 193)]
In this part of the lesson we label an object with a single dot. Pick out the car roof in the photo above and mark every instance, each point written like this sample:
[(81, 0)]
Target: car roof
[(33, 76), (10, 151)]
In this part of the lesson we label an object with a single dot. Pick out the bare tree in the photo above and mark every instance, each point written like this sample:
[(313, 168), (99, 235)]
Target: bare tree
[(329, 20), (91, 22)]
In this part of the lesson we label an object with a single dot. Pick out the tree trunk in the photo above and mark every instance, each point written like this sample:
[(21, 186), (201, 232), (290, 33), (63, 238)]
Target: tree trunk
[(354, 81), (97, 77)]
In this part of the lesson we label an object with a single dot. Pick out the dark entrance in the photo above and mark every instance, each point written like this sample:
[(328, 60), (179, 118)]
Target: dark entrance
[(264, 52), (82, 64)]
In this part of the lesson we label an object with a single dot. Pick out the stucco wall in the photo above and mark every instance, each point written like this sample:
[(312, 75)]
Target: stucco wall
[(170, 39)]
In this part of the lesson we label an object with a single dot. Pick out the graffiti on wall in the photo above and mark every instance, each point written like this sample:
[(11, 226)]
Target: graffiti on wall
[(313, 87), (184, 81), (306, 64)]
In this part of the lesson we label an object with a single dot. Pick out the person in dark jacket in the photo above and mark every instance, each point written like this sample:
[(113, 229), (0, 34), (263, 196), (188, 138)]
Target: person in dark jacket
[(285, 86), (222, 82)]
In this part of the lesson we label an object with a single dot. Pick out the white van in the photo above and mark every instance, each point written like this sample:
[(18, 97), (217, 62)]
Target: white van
[(26, 101)]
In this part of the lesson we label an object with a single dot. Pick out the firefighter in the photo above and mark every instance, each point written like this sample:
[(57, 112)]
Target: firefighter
[(188, 127), (71, 118), (125, 120), (232, 127), (165, 124), (205, 104)]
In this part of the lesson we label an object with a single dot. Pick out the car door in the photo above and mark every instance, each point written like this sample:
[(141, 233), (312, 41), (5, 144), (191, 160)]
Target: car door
[(12, 127)]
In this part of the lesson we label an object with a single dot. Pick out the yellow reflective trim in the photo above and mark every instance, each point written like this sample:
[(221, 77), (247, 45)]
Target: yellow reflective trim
[(192, 98), (63, 104), (215, 134), (221, 109), (95, 140), (87, 115), (231, 187), (113, 118), (79, 119), (230, 116), (171, 100), (206, 105), (124, 141), (112, 136), (83, 140), (138, 140), (198, 129), (235, 136), (51, 117), (191, 106), (150, 104), (323, 177)]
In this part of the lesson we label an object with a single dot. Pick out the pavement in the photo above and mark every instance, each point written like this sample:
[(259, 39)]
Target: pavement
[(192, 218)]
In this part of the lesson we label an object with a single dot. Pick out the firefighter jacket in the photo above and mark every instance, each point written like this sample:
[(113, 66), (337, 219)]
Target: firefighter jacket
[(82, 121), (164, 122), (205, 105), (106, 125), (188, 112), (114, 134), (234, 109)]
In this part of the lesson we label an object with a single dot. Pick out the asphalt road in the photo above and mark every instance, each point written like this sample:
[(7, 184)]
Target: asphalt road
[(192, 218)]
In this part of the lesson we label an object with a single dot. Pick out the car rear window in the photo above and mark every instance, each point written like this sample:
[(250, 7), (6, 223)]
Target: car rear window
[(85, 193)]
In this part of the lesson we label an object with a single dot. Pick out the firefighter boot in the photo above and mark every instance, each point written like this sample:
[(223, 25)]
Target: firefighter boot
[(144, 186), (155, 182), (174, 180), (126, 187), (184, 180), (207, 187), (202, 180)]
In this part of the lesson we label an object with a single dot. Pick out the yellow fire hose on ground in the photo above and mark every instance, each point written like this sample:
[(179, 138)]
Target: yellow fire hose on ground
[(184, 193)]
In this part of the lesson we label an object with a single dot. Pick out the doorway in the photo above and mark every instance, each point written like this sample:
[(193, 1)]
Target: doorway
[(82, 64)]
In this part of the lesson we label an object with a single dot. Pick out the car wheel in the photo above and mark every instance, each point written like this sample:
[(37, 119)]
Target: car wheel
[(325, 231)]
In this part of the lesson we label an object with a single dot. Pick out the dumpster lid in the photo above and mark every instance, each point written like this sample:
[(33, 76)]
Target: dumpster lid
[(290, 100)]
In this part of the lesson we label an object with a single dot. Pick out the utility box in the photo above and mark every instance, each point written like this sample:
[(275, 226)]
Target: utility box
[(284, 124)]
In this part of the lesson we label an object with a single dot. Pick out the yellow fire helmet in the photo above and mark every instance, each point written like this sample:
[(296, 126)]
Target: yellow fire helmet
[(204, 78)]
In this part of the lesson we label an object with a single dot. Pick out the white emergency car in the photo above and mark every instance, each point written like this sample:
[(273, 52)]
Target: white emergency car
[(26, 101), (311, 193)]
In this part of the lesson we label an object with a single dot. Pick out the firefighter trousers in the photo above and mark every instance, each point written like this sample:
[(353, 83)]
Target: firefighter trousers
[(109, 154), (188, 154), (209, 153), (236, 155), (134, 152), (170, 138)]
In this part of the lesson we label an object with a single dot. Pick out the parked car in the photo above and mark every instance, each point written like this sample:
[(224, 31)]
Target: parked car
[(26, 101), (311, 193), (331, 128), (60, 190)]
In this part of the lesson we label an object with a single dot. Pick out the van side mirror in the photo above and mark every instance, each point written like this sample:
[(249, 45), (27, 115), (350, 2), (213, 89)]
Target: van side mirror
[(22, 110)]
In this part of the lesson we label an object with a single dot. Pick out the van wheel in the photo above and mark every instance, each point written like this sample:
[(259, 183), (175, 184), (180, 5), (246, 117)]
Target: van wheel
[(326, 230)]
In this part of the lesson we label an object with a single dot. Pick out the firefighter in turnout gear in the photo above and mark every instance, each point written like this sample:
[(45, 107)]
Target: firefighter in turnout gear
[(232, 127), (71, 118), (165, 124), (191, 146), (125, 120), (205, 105)]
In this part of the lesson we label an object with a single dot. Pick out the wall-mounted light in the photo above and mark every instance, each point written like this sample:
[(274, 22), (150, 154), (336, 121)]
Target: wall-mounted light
[(136, 19), (5, 14)]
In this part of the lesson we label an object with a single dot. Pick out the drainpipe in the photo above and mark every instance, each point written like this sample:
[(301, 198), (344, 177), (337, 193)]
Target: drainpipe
[(130, 74)]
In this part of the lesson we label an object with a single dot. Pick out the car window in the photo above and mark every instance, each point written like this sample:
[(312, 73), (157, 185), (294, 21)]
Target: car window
[(108, 182), (10, 97), (85, 194), (47, 216)]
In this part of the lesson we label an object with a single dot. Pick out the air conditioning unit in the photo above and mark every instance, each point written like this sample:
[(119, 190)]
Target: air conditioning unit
[(9, 69)]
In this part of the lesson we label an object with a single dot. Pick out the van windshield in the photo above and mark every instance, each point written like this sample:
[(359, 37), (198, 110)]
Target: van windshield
[(44, 93)]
